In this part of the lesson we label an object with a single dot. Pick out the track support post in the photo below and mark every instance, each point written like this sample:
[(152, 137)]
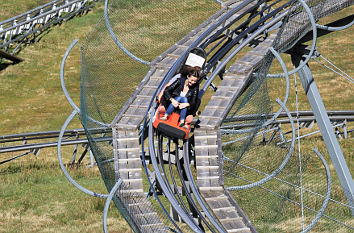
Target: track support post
[(326, 130)]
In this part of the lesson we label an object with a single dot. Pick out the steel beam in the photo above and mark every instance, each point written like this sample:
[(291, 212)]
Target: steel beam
[(327, 132)]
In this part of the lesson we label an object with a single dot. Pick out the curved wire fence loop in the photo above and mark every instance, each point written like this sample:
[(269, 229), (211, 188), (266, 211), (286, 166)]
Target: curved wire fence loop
[(66, 93), (328, 193), (328, 28), (120, 45), (313, 45), (282, 165), (241, 46), (282, 63), (63, 86), (71, 180), (108, 201)]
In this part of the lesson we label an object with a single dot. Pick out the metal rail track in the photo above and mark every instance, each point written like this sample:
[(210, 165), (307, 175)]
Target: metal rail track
[(219, 212), (18, 29), (41, 137), (226, 215), (233, 221), (225, 211), (208, 137), (34, 142), (222, 213), (126, 125)]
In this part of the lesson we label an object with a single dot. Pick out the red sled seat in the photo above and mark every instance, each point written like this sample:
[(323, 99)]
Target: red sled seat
[(170, 127)]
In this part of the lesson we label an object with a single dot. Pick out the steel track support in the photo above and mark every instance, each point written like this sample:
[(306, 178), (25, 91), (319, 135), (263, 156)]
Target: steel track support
[(326, 130)]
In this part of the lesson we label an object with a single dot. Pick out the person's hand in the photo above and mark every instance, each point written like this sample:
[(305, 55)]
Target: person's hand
[(183, 105), (175, 103)]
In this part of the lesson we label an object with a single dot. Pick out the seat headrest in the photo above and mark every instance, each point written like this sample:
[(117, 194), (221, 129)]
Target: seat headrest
[(195, 60)]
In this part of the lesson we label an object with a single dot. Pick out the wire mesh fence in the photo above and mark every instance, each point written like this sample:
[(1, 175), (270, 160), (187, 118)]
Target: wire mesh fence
[(110, 76), (290, 201), (146, 29)]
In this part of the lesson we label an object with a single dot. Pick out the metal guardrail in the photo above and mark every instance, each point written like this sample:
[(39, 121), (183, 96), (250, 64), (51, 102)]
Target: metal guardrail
[(48, 134), (306, 118), (43, 136), (24, 138), (42, 140), (334, 114)]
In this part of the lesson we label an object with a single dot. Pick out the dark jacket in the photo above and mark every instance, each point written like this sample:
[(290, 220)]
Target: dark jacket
[(175, 89)]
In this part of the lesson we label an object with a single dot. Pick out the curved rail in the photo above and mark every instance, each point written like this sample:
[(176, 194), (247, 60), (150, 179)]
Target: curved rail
[(186, 218), (115, 39), (71, 180), (216, 72), (195, 189), (127, 124), (152, 153), (284, 162), (195, 192), (62, 82), (328, 193)]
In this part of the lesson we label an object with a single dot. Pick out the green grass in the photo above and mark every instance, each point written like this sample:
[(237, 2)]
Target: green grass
[(8, 9), (31, 91), (35, 195)]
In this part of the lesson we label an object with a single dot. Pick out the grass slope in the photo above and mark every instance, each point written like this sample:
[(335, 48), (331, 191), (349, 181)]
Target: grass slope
[(34, 194), (10, 8)]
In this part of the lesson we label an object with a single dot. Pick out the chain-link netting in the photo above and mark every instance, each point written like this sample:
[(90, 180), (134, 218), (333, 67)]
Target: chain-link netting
[(144, 28), (109, 77), (247, 116), (298, 21), (290, 201)]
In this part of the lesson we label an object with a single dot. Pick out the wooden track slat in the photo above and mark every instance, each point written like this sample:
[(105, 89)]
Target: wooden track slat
[(205, 139)]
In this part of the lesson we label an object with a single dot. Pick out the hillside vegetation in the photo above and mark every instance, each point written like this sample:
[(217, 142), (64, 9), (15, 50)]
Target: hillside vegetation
[(34, 194)]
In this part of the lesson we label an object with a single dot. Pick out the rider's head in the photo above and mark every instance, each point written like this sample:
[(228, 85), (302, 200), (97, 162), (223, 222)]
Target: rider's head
[(193, 74)]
